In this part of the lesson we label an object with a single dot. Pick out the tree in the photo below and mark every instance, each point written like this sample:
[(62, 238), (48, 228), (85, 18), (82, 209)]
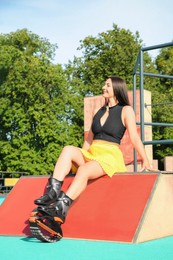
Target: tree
[(164, 98), (41, 104), (33, 94), (112, 52)]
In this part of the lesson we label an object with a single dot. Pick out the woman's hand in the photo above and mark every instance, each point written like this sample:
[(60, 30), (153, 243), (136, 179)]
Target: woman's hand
[(147, 168)]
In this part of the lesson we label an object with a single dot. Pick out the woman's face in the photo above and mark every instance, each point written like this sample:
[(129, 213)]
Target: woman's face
[(108, 89)]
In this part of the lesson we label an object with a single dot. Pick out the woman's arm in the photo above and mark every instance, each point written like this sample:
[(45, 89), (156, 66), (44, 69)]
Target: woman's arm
[(88, 140), (128, 118), (90, 136)]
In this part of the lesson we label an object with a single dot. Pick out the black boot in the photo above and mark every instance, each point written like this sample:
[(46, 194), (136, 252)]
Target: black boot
[(59, 208), (52, 192)]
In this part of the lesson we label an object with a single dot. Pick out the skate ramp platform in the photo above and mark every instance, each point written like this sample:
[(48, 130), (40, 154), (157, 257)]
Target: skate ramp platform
[(129, 208)]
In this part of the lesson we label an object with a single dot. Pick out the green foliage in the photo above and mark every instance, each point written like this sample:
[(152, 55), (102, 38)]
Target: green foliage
[(112, 52), (164, 96), (41, 104), (35, 119)]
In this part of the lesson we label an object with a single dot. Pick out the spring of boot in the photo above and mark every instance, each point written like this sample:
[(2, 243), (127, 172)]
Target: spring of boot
[(44, 228)]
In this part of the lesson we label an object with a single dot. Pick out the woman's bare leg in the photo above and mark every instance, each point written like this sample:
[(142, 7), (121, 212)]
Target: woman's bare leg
[(68, 155), (88, 171), (63, 165)]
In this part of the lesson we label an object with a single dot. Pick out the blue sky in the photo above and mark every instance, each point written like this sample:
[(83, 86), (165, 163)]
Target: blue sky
[(66, 22)]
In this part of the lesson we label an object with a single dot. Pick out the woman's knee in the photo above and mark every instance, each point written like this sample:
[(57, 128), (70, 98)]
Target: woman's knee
[(69, 149), (73, 153)]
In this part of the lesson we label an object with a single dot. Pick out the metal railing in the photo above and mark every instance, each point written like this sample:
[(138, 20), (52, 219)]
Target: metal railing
[(5, 188), (141, 73)]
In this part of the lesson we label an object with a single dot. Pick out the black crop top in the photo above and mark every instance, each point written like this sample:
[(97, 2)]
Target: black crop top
[(113, 128)]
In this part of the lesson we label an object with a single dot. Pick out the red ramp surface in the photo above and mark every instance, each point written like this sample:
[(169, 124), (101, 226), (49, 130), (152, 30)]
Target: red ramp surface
[(109, 209)]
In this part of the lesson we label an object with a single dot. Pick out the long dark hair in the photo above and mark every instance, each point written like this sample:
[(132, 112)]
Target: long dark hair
[(120, 90)]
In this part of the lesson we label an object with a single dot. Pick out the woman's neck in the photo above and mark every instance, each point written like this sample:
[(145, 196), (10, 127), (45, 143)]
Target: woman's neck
[(112, 102)]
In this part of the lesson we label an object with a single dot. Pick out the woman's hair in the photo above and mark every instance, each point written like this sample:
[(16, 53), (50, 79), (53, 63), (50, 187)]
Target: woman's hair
[(120, 90)]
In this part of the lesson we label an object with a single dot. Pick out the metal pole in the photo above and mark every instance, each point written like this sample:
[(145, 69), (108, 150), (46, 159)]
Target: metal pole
[(168, 141), (134, 107), (159, 46), (156, 75), (156, 124), (142, 96), (141, 73)]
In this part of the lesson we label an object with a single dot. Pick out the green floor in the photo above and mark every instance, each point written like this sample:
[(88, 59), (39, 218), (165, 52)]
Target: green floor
[(17, 248)]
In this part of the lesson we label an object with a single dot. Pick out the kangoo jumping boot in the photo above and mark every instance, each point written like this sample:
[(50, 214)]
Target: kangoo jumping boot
[(58, 210), (52, 192)]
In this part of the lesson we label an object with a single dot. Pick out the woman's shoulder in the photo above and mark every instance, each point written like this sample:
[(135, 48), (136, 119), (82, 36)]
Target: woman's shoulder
[(128, 109), (127, 112)]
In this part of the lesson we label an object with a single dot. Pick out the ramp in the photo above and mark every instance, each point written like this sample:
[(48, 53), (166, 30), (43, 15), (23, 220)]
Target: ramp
[(16, 208), (125, 208)]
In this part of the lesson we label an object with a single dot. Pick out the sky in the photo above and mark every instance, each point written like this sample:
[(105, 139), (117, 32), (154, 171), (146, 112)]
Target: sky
[(66, 22)]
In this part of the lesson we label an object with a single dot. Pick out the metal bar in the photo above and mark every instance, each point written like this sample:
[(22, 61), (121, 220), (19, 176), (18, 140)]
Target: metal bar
[(169, 44), (158, 104), (156, 124), (159, 142), (137, 63), (135, 160), (134, 107), (142, 96), (155, 75), (134, 93)]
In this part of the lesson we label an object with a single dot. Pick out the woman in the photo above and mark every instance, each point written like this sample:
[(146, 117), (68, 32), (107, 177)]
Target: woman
[(100, 154)]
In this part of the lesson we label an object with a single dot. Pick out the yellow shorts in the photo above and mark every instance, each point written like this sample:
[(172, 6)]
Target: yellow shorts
[(107, 154)]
